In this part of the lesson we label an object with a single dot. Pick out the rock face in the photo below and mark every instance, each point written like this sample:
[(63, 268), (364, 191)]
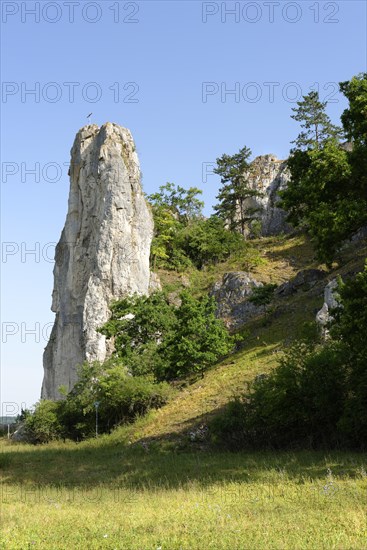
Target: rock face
[(232, 295), (103, 252), (268, 175)]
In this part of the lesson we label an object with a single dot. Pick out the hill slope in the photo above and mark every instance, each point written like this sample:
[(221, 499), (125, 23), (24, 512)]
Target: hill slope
[(107, 493), (265, 337)]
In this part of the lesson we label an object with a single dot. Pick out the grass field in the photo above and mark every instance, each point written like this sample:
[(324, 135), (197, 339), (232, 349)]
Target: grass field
[(103, 494), (148, 486)]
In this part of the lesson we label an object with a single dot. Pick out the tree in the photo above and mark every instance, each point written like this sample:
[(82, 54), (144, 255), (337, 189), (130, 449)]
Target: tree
[(354, 118), (199, 338), (209, 242), (166, 227), (316, 123), (327, 193), (173, 209), (183, 203), (235, 191), (153, 337), (138, 325)]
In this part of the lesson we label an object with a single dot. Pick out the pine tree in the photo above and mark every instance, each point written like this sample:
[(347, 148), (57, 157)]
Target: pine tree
[(316, 123), (234, 172)]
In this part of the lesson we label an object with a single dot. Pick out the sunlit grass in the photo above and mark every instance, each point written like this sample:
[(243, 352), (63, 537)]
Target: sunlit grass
[(109, 496)]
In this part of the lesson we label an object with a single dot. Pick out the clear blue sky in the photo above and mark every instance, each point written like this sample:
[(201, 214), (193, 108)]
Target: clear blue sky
[(269, 53)]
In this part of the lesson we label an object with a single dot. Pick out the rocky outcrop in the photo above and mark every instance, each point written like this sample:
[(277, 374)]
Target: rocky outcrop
[(232, 295), (323, 316), (304, 280), (268, 175), (103, 252)]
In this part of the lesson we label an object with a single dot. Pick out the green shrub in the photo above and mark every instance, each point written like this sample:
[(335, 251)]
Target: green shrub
[(317, 395), (207, 242), (166, 341), (298, 404), (262, 295), (121, 398), (197, 341), (43, 425)]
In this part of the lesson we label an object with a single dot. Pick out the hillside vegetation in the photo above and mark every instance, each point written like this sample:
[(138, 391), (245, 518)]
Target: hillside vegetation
[(160, 482), (180, 392)]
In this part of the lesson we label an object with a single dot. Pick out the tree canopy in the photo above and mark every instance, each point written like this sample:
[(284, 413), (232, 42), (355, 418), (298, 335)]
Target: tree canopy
[(327, 193)]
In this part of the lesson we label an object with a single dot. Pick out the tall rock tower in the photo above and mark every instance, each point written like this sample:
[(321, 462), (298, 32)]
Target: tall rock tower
[(103, 252)]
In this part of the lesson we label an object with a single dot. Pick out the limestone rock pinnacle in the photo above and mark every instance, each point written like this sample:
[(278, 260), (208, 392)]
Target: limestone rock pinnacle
[(103, 252)]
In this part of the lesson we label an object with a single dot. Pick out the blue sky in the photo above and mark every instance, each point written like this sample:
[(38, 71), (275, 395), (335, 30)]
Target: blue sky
[(166, 71)]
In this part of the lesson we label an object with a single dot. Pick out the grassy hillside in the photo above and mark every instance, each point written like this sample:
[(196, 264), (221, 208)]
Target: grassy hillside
[(264, 338), (156, 485)]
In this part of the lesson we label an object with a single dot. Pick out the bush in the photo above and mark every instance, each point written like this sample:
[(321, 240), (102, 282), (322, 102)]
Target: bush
[(298, 404), (121, 398), (262, 295), (208, 242), (44, 424)]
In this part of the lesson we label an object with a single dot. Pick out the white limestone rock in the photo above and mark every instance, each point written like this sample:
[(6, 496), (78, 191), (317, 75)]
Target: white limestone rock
[(103, 252), (269, 175), (232, 295), (323, 316)]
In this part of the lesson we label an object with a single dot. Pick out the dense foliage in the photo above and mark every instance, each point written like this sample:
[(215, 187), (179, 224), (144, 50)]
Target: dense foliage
[(44, 425), (138, 326), (183, 238), (328, 189), (154, 337), (119, 397)]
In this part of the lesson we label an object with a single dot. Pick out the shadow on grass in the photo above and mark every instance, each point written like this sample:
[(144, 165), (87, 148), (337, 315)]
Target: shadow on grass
[(154, 465)]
